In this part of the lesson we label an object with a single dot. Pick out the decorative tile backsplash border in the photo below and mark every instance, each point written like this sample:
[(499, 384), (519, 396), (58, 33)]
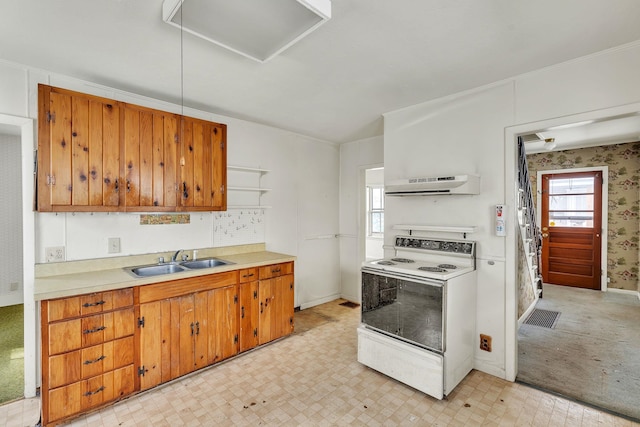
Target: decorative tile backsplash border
[(157, 219)]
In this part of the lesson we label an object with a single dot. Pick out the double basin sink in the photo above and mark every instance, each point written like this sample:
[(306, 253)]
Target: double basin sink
[(175, 267)]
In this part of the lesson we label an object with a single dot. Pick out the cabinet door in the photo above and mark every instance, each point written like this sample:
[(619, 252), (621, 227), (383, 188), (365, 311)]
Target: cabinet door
[(201, 329), (265, 294), (203, 159), (151, 345), (249, 312), (150, 157), (286, 308), (223, 323), (186, 328), (78, 151)]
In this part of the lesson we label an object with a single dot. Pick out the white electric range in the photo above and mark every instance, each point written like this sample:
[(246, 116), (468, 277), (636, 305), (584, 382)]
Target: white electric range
[(418, 313)]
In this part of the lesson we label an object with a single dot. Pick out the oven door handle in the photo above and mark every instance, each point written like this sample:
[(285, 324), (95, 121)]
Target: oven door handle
[(409, 277)]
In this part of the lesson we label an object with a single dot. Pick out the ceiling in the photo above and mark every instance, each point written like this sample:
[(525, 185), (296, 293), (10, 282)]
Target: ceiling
[(371, 57), (614, 130)]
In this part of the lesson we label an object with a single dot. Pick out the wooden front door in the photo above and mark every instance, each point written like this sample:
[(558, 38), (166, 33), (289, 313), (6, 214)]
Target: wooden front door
[(571, 229)]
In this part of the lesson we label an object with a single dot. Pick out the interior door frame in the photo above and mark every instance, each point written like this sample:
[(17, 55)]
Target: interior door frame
[(511, 134), (604, 170), (27, 142)]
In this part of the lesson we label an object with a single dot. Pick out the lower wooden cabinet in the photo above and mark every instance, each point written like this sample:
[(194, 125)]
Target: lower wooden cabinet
[(249, 315), (276, 305), (101, 347), (87, 358), (182, 334)]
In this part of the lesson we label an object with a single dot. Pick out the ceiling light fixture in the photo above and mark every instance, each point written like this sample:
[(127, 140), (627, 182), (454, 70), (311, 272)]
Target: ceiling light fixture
[(256, 29), (550, 144)]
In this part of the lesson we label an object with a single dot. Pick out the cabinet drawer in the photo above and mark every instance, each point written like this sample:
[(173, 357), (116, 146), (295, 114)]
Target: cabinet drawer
[(90, 393), (81, 364), (248, 275), (91, 330), (276, 270), (67, 308)]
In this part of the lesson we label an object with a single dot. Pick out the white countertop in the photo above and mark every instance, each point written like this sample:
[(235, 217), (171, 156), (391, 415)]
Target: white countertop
[(97, 280)]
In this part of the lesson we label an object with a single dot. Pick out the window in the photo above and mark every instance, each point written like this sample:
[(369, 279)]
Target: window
[(571, 202), (375, 211)]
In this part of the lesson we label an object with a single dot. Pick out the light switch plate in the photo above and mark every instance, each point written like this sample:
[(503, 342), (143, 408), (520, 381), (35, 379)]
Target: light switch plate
[(114, 245)]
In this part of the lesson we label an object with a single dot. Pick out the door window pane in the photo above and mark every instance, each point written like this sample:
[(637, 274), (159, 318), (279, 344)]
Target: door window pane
[(571, 185), (571, 202), (581, 202), (571, 219)]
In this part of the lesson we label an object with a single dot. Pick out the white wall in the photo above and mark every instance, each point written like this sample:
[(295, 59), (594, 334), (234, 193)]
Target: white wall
[(355, 158), (303, 178), (474, 132), (11, 283), (455, 136)]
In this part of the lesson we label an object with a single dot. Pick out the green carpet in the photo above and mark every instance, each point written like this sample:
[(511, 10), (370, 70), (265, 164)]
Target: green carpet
[(11, 352)]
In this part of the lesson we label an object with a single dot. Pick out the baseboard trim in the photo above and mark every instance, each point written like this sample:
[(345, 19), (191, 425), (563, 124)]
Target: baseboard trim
[(528, 311), (624, 291), (319, 301)]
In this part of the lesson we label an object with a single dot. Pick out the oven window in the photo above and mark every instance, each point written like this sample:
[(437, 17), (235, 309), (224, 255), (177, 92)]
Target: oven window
[(409, 310)]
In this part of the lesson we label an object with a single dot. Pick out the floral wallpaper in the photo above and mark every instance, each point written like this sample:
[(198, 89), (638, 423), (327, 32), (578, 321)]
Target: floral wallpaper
[(623, 161)]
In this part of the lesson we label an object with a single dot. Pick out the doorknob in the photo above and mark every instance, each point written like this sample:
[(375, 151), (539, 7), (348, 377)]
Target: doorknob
[(545, 235)]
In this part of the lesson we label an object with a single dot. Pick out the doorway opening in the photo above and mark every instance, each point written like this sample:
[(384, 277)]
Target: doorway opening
[(11, 270), (587, 355), (24, 128)]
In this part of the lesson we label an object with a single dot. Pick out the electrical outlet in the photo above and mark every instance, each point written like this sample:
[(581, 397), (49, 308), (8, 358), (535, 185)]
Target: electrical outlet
[(113, 245), (485, 342), (54, 254)]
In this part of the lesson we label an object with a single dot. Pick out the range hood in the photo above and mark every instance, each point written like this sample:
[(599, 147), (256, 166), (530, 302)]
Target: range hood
[(434, 186)]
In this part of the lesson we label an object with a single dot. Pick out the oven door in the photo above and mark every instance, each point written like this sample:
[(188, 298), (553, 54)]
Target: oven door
[(407, 307)]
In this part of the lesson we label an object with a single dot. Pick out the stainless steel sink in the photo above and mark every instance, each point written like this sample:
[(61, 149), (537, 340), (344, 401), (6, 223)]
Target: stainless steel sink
[(172, 267), (204, 263), (155, 270)]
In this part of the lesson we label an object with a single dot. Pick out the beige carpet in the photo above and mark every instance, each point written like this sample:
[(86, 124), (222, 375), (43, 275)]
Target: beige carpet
[(593, 353)]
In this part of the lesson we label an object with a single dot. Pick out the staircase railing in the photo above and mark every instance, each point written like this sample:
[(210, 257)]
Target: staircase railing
[(527, 216)]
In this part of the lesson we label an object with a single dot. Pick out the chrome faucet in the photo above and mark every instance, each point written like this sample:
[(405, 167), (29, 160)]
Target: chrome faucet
[(174, 258)]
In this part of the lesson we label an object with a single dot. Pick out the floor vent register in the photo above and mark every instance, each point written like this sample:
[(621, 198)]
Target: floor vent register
[(543, 318)]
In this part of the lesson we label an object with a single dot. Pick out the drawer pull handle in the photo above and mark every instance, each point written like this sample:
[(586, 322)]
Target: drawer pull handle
[(197, 328), (192, 330), (90, 331), (92, 304), (89, 393), (248, 275), (242, 316), (89, 362)]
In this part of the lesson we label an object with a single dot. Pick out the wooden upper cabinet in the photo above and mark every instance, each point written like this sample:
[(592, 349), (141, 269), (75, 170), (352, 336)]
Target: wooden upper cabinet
[(203, 178), (97, 154), (78, 151), (151, 148)]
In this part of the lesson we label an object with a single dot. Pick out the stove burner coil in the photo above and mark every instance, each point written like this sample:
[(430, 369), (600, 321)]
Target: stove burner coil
[(385, 263), (432, 269), (447, 266), (403, 260)]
